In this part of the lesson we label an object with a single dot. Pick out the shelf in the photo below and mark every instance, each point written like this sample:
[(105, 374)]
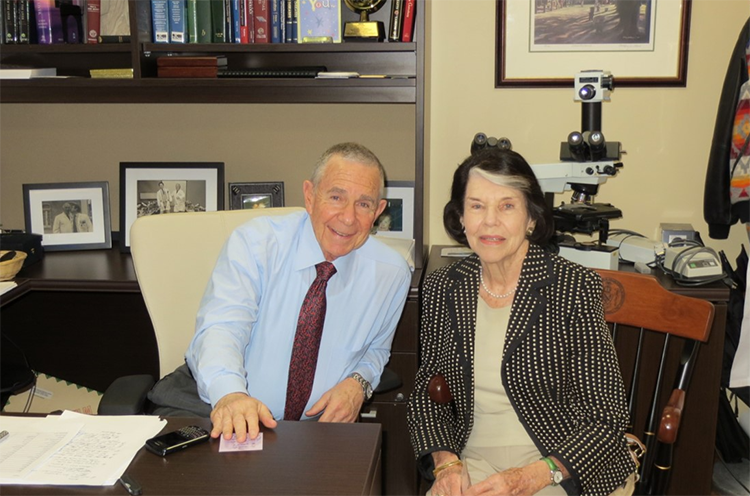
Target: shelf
[(278, 47), (61, 48), (86, 90)]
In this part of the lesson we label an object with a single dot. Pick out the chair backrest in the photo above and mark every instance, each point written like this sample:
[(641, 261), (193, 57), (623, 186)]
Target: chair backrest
[(657, 333), (174, 256)]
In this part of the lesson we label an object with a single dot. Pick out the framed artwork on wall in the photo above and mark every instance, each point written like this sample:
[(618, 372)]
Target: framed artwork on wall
[(397, 220), (243, 196), (544, 43), (159, 188), (69, 216)]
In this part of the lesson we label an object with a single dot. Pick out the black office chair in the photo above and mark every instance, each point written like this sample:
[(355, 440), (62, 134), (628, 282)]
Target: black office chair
[(16, 375)]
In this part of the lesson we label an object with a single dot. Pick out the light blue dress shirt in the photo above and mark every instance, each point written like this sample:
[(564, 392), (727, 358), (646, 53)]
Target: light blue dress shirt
[(248, 316)]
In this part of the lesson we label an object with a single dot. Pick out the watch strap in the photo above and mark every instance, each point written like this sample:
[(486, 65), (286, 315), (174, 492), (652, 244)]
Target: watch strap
[(555, 474), (364, 383)]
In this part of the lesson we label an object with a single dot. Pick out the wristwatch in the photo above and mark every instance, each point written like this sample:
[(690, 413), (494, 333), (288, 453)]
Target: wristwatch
[(366, 387), (555, 475)]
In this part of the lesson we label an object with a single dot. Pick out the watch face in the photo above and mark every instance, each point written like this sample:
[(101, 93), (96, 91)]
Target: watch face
[(557, 477)]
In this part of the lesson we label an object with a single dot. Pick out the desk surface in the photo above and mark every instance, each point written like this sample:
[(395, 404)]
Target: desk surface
[(305, 458)]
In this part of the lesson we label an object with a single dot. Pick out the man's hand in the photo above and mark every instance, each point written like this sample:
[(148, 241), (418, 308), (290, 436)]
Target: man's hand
[(239, 413), (341, 403)]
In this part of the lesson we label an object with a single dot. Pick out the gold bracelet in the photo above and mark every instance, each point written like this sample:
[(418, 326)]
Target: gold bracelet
[(446, 465)]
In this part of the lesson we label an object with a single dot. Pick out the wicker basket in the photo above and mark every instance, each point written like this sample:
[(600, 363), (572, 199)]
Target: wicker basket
[(10, 268)]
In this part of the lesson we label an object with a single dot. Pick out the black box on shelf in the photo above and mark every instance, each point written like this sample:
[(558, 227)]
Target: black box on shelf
[(29, 243)]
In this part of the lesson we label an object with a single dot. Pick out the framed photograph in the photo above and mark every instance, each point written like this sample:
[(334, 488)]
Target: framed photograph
[(69, 216), (159, 188), (243, 196), (544, 43), (397, 220)]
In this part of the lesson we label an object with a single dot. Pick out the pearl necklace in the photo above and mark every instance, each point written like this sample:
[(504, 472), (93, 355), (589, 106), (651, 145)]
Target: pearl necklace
[(481, 279)]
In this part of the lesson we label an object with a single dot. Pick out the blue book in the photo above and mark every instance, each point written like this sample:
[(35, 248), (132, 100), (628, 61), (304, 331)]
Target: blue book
[(160, 20), (277, 21), (288, 12), (178, 25), (236, 36)]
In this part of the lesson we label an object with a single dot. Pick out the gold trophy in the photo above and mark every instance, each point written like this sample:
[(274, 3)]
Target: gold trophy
[(364, 29)]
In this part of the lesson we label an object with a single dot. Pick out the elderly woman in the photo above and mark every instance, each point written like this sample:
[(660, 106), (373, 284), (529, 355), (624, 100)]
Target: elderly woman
[(518, 336)]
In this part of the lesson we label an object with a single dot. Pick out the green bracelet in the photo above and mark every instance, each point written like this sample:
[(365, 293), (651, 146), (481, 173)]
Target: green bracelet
[(555, 474)]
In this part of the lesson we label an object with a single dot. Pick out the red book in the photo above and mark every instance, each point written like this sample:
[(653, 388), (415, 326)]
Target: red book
[(408, 30), (187, 72), (262, 21), (93, 20), (244, 36), (250, 6)]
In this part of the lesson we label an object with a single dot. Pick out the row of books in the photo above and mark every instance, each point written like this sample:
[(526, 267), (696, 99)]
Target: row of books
[(263, 21), (48, 22)]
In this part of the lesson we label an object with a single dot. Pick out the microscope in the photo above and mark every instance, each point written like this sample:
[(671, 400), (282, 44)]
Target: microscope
[(587, 160)]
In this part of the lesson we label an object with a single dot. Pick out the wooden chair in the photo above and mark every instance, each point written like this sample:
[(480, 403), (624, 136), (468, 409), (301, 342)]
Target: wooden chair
[(657, 334)]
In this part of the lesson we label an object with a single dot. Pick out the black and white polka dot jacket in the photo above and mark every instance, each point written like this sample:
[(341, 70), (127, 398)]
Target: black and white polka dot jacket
[(560, 369)]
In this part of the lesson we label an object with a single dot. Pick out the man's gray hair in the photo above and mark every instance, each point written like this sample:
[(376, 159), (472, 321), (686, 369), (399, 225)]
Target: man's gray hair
[(353, 152)]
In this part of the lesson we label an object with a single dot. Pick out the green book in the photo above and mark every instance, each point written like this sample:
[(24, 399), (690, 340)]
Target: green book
[(219, 21), (203, 21), (192, 21)]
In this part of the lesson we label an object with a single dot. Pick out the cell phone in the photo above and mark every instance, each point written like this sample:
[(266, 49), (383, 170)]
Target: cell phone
[(180, 439)]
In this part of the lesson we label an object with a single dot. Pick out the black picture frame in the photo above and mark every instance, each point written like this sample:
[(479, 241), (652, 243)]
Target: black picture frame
[(661, 61), (398, 215), (50, 210), (243, 196), (201, 182)]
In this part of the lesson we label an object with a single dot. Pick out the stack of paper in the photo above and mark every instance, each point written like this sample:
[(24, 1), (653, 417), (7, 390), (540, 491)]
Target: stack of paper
[(72, 448)]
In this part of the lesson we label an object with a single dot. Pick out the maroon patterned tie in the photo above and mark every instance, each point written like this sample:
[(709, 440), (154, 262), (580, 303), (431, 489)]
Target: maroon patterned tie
[(306, 343)]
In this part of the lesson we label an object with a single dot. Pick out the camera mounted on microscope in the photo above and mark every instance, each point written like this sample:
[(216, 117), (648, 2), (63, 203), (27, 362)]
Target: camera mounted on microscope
[(593, 86)]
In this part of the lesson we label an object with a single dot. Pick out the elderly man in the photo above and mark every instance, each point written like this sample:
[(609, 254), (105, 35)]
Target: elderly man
[(262, 351), (64, 221)]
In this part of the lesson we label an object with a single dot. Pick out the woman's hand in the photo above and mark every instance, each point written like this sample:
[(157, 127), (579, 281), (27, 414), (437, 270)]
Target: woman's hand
[(523, 481), (447, 480)]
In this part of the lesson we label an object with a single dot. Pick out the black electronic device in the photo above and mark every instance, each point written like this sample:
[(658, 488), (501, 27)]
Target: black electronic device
[(180, 439)]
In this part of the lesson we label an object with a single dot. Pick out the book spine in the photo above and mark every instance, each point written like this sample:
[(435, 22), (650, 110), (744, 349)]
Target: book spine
[(57, 26), (236, 21), (24, 22), (260, 8), (218, 21), (178, 21), (44, 20), (203, 13), (250, 6), (228, 25), (93, 20), (192, 21), (244, 38), (394, 30), (160, 20), (276, 21), (294, 14), (288, 11), (10, 22), (84, 29), (407, 33)]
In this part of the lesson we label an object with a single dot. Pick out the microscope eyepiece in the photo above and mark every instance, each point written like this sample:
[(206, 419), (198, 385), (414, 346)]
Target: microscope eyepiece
[(482, 141)]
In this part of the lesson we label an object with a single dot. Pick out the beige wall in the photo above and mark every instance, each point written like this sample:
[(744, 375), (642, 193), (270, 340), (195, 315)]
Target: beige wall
[(70, 143), (666, 132)]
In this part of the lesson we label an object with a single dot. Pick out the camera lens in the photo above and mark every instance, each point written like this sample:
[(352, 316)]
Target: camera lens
[(587, 92), (504, 144), (480, 139)]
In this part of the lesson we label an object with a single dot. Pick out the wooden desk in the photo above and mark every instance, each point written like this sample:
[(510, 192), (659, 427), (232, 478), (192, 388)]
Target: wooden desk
[(80, 316), (297, 458), (694, 452)]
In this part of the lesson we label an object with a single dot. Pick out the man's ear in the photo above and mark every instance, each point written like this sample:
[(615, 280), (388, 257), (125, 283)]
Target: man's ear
[(308, 190), (381, 206)]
